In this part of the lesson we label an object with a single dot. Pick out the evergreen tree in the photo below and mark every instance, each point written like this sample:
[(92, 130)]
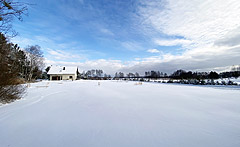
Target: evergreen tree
[(10, 89)]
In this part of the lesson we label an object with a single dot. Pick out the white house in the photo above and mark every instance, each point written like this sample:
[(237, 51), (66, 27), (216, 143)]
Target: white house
[(63, 73)]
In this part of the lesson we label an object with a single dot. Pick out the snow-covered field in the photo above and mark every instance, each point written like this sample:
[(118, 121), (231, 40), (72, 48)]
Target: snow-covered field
[(121, 114)]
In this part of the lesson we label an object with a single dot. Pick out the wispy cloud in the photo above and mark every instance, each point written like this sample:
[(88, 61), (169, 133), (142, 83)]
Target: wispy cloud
[(172, 42), (106, 31), (230, 39), (210, 29), (201, 22), (81, 1), (153, 51), (109, 66), (64, 55), (132, 46)]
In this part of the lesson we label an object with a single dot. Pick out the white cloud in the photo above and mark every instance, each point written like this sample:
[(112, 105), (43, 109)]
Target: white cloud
[(64, 55), (133, 46), (210, 30), (43, 39), (230, 39), (23, 42), (172, 42), (81, 1), (196, 60), (153, 51), (106, 31), (108, 66), (198, 21)]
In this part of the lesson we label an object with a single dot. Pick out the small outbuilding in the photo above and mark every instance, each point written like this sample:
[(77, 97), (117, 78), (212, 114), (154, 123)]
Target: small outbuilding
[(63, 73)]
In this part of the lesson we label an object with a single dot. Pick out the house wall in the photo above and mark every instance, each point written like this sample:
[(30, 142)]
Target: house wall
[(64, 77), (67, 77)]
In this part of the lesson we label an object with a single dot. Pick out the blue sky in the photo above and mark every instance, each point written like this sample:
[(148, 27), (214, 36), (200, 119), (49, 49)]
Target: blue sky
[(132, 35), (92, 29)]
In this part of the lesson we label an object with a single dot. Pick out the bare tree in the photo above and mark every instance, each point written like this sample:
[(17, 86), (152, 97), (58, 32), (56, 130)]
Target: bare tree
[(137, 75), (35, 57), (8, 11)]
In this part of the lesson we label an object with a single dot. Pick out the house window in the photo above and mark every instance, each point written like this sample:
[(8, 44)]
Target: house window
[(70, 77)]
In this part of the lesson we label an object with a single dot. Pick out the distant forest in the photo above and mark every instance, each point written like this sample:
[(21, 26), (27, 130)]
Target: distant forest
[(179, 74)]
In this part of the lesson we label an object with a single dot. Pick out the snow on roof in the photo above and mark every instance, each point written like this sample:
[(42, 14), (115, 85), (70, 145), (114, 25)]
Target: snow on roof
[(63, 70)]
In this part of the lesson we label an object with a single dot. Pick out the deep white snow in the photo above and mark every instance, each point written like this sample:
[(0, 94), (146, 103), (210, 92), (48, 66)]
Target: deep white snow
[(121, 114)]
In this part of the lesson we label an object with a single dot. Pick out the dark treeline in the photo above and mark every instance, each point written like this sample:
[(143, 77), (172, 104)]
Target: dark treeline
[(234, 74), (181, 74), (155, 74), (183, 77), (94, 74), (148, 74)]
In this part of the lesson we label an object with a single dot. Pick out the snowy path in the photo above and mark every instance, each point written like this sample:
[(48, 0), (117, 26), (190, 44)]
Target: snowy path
[(121, 114)]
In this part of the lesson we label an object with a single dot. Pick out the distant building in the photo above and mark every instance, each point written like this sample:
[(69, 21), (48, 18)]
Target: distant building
[(63, 73)]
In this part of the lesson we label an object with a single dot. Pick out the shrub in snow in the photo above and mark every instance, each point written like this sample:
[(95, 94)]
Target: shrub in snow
[(223, 83), (11, 93), (230, 83), (202, 82)]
